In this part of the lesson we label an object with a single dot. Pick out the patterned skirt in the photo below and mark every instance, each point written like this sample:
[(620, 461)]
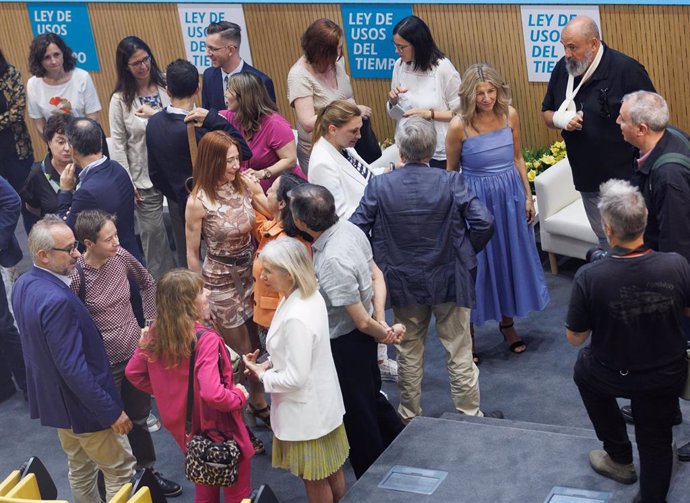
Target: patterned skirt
[(312, 459)]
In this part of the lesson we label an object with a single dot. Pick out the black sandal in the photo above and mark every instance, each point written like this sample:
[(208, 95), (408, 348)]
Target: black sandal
[(263, 414), (515, 345)]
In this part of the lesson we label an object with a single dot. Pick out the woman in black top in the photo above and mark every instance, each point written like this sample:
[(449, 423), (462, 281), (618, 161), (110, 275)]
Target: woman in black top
[(40, 192)]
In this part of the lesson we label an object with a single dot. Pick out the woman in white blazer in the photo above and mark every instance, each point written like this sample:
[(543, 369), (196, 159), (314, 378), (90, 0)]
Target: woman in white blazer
[(307, 407), (334, 163)]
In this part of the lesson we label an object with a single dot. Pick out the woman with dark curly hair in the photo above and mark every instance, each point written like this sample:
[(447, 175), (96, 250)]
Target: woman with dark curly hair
[(57, 85)]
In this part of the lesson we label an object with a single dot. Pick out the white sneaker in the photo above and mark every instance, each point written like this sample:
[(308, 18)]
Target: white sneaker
[(153, 423), (389, 370)]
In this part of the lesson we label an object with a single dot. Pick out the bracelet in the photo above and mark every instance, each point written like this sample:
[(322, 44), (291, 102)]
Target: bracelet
[(431, 111)]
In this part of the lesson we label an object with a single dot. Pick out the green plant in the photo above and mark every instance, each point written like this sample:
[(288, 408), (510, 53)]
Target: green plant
[(540, 159)]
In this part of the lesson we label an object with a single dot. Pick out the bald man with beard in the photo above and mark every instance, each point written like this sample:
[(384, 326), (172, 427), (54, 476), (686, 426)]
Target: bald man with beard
[(583, 100)]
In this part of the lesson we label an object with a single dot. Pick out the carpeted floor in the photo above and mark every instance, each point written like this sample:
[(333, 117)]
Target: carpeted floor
[(534, 387)]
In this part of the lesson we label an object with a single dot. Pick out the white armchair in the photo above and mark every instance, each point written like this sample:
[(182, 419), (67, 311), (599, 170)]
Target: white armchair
[(563, 225)]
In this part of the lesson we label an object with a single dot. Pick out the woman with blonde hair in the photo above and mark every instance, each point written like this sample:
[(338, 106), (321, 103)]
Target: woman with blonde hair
[(160, 366), (309, 438), (334, 163), (220, 208), (268, 133), (484, 140)]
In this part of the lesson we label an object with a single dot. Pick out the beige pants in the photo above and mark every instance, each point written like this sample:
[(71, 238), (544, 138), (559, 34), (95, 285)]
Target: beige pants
[(87, 453), (453, 328)]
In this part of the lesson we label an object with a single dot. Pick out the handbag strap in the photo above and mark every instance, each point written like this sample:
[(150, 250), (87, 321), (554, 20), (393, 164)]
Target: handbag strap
[(191, 139), (190, 382)]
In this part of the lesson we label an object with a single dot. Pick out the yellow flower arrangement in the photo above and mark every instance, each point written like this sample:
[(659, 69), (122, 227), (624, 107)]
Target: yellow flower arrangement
[(540, 159)]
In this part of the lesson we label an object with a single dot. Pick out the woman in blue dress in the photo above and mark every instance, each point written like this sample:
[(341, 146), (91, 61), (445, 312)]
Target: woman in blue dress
[(483, 141)]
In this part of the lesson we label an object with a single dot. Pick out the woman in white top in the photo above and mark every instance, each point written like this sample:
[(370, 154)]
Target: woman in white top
[(317, 79), (57, 84), (334, 163), (307, 406), (425, 83), (139, 93)]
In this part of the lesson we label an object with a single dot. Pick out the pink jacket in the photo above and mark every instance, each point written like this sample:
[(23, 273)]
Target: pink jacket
[(215, 405)]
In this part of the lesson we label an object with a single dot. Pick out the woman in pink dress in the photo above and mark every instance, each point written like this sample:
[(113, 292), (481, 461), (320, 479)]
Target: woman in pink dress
[(160, 366), (268, 133)]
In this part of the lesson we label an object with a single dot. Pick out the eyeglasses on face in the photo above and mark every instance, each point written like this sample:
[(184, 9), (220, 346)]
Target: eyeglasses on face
[(214, 50), (401, 47), (69, 249), (142, 62)]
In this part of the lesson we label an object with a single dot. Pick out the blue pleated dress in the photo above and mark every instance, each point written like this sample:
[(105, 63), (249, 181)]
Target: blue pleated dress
[(510, 278)]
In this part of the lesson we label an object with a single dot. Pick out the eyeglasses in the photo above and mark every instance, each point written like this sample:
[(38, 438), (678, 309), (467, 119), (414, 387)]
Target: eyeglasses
[(214, 50), (400, 48), (142, 62), (68, 249)]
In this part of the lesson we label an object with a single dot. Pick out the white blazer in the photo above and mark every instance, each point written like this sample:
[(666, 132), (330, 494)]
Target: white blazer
[(329, 168), (306, 402)]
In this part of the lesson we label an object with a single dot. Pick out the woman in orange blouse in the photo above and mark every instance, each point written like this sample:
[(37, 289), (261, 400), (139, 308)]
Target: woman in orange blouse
[(268, 227)]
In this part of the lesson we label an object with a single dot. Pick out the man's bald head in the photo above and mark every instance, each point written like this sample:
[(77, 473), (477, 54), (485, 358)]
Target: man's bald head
[(584, 26)]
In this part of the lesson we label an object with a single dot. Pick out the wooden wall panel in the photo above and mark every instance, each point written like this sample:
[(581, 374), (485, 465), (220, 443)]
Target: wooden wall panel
[(654, 35)]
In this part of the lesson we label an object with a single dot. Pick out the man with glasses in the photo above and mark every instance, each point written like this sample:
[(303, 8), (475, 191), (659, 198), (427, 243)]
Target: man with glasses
[(582, 101), (223, 48), (69, 383)]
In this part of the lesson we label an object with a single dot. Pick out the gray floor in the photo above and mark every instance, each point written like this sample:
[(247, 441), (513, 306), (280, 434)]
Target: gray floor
[(534, 387)]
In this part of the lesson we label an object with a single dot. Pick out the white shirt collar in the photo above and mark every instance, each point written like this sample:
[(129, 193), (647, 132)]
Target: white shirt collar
[(179, 111), (236, 70), (65, 279), (92, 165)]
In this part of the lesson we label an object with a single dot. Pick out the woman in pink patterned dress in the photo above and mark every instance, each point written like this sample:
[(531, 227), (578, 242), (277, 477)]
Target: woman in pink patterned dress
[(220, 209)]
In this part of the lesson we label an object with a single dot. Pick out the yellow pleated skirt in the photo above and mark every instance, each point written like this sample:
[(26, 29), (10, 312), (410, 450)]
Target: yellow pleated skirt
[(312, 459)]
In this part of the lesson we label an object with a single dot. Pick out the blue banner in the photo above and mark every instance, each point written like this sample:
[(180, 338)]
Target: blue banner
[(369, 37), (71, 21)]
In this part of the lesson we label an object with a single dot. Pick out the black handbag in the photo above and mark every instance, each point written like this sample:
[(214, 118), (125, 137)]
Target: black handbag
[(368, 146), (207, 461)]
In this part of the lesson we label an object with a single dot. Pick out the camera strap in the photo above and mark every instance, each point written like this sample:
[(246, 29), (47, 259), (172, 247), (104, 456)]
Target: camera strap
[(620, 252)]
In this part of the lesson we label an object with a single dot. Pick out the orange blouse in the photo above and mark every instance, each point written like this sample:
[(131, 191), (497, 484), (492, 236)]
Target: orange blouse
[(266, 299)]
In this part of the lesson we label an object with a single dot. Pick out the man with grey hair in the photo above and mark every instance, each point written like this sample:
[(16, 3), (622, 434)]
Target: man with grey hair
[(426, 227), (631, 303), (582, 101), (663, 176), (223, 41), (69, 383), (355, 295)]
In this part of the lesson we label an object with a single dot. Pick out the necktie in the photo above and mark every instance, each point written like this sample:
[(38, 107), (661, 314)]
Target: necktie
[(225, 88)]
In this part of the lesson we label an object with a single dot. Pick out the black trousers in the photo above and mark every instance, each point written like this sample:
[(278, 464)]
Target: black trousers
[(370, 420), (137, 406), (654, 409), (11, 359)]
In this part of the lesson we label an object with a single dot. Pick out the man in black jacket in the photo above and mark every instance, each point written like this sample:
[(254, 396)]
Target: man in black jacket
[(582, 101), (663, 175), (170, 160)]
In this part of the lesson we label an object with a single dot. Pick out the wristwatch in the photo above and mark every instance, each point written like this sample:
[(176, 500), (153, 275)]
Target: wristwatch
[(267, 174)]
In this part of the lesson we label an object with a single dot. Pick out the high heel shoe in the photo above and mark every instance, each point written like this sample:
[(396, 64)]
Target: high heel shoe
[(263, 414), (519, 343)]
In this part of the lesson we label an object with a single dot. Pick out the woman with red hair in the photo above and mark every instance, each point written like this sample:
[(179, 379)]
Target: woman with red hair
[(220, 208), (317, 79)]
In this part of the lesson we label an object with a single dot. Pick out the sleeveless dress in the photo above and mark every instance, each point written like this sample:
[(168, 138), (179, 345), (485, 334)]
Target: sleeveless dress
[(510, 278), (227, 269)]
